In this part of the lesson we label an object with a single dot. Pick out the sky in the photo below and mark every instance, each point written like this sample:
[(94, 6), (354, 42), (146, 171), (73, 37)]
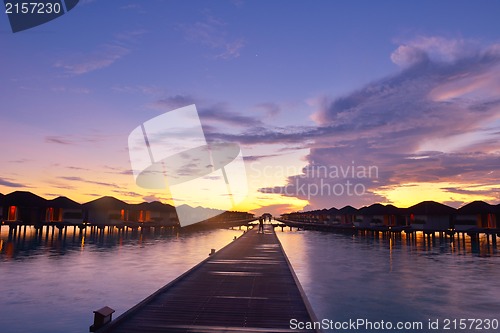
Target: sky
[(332, 102)]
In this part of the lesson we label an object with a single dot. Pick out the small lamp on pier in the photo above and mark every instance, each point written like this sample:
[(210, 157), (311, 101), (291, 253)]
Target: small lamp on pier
[(101, 318)]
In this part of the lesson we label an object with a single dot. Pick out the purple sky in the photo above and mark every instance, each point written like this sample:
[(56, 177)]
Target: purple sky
[(411, 88)]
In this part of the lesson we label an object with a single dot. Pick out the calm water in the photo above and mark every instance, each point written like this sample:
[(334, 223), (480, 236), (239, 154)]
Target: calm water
[(396, 280), (52, 283)]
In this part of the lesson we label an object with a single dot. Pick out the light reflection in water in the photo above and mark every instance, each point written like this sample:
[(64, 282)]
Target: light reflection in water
[(399, 278), (52, 280)]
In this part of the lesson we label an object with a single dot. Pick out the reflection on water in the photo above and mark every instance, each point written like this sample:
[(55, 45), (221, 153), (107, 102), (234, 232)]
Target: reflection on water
[(395, 279), (52, 280), (26, 241)]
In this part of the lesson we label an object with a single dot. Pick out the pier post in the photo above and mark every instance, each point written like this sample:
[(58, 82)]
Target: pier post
[(102, 317), (11, 232)]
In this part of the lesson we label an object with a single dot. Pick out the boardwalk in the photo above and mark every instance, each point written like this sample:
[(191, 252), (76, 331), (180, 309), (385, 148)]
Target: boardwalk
[(246, 287)]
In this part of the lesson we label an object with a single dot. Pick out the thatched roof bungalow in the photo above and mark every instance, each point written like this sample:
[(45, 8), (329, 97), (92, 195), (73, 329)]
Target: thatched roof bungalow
[(22, 206), (347, 215), (477, 214), (106, 211), (153, 212), (379, 215), (431, 215), (63, 209)]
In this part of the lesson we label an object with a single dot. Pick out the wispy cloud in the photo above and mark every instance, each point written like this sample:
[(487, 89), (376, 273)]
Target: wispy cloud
[(80, 179), (103, 57), (253, 158), (77, 168), (209, 112), (10, 183), (231, 49), (118, 171), (175, 101), (58, 140), (73, 139), (130, 35), (212, 33), (128, 194), (21, 160), (219, 113)]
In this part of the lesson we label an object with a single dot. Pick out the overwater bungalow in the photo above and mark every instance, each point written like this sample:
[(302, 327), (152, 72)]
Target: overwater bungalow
[(431, 215), (64, 210), (477, 214), (153, 212), (23, 207), (348, 215), (106, 211), (379, 215), (333, 216)]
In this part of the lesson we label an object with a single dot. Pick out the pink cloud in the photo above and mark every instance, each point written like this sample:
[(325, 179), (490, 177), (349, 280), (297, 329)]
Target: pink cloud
[(102, 58), (435, 48)]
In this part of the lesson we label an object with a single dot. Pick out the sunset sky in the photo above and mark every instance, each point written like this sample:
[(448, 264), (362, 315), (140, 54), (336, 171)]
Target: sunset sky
[(311, 90)]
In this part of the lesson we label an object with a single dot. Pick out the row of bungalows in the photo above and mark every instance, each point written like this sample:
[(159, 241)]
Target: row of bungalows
[(430, 215), (28, 208), (345, 215), (111, 211), (427, 215)]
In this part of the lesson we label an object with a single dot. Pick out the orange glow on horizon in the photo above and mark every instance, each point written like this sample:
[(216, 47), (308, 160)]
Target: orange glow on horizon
[(406, 195)]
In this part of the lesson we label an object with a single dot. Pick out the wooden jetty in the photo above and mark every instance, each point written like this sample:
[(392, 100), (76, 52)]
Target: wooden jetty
[(248, 286)]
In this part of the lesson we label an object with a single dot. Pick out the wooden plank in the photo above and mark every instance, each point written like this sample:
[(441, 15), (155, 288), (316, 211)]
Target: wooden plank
[(248, 286)]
